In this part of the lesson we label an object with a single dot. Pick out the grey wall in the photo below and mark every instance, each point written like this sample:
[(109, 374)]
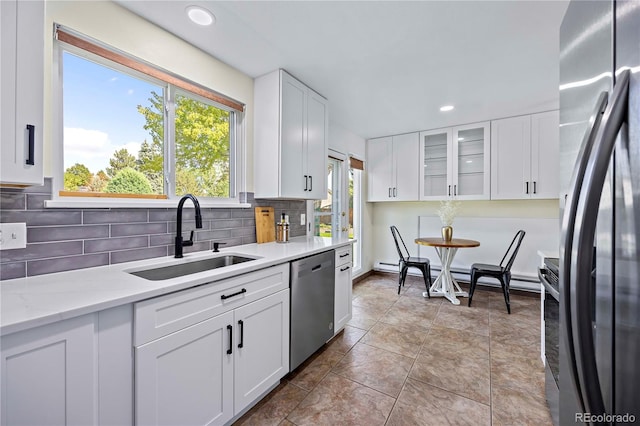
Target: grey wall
[(65, 239)]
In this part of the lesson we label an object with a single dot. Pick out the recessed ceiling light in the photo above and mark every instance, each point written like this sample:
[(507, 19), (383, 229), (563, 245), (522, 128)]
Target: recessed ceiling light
[(200, 15), (446, 108)]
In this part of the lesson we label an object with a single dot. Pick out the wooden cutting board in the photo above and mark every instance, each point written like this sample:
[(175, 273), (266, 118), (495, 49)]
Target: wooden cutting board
[(265, 225)]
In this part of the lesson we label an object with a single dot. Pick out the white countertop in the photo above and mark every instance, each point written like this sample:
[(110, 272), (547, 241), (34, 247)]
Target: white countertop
[(30, 302)]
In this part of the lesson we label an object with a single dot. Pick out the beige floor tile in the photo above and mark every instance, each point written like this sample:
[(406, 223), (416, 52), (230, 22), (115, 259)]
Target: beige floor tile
[(376, 368), (313, 370), (423, 405), (339, 401), (410, 313), (514, 330), (346, 339), (461, 317), (518, 367), (512, 406), (275, 407), (395, 338), (362, 318), (459, 341)]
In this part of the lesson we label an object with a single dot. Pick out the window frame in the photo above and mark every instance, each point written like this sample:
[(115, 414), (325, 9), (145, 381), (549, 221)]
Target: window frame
[(237, 136)]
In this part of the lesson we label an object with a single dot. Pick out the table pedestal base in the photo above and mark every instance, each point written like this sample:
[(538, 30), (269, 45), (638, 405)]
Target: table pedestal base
[(445, 285)]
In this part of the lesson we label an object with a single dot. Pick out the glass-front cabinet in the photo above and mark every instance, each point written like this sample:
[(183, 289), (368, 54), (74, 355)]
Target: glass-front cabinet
[(455, 163)]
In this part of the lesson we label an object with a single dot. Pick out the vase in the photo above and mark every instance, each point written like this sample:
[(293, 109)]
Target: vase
[(447, 233)]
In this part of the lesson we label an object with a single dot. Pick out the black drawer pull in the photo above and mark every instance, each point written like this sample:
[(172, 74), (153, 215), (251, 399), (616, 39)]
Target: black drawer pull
[(31, 129), (344, 269), (241, 324), (230, 329), (344, 255), (224, 296)]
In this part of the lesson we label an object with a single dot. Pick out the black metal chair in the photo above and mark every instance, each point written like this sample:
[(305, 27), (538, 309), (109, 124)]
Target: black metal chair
[(406, 262), (499, 272)]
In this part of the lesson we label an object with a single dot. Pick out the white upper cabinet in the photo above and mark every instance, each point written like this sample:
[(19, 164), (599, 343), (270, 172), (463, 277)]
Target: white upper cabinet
[(393, 168), (525, 157), (21, 85), (290, 139), (455, 163)]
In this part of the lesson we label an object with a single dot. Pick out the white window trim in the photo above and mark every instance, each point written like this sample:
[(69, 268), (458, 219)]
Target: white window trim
[(357, 236), (57, 155)]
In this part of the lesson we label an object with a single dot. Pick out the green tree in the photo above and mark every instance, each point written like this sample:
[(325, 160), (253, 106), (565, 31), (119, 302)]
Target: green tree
[(121, 160), (202, 144), (150, 162), (76, 176), (99, 182), (129, 181)]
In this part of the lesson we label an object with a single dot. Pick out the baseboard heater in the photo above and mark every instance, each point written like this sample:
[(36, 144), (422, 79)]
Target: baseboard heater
[(518, 282)]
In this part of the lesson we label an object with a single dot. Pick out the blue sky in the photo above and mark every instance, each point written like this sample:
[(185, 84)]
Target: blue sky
[(100, 114)]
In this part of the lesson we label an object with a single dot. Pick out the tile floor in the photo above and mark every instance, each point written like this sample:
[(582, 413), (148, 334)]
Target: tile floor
[(406, 360)]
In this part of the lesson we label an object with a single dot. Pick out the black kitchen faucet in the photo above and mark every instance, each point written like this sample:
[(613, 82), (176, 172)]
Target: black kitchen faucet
[(179, 242)]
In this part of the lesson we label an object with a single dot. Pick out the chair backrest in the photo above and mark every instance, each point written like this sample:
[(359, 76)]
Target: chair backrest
[(396, 237), (512, 251)]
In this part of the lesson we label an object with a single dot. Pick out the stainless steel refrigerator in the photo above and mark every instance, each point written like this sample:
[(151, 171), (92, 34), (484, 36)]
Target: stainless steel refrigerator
[(600, 204)]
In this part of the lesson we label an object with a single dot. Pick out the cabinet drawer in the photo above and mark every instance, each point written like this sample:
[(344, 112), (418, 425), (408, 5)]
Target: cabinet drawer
[(343, 255), (163, 315)]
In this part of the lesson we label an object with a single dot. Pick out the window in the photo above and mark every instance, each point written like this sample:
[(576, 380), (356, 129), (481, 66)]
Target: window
[(132, 130), (355, 211), (326, 213)]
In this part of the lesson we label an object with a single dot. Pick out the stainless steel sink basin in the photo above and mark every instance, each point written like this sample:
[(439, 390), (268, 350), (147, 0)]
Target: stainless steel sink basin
[(173, 271)]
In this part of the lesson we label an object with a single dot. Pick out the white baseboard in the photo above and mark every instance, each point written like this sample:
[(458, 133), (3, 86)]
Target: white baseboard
[(517, 283)]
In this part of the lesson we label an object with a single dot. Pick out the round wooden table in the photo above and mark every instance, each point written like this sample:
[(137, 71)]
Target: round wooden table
[(445, 285)]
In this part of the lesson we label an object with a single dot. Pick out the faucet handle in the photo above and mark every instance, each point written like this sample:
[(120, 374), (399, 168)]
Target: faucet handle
[(188, 242), (215, 246)]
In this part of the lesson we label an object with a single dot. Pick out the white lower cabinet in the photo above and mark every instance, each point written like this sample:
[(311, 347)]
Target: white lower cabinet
[(74, 372), (212, 369), (343, 292)]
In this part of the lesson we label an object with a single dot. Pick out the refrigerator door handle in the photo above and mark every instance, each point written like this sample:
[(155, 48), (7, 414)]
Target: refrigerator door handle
[(584, 236), (568, 223)]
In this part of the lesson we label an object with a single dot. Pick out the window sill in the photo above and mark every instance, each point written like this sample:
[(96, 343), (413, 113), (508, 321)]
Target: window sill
[(103, 203)]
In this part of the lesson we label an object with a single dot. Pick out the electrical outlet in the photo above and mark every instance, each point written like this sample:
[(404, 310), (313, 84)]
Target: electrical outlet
[(303, 219), (13, 236)]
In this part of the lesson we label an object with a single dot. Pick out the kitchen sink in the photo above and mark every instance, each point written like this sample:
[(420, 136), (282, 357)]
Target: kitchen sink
[(179, 270)]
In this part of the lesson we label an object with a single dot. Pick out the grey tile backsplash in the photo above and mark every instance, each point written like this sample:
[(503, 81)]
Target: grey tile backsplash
[(65, 239)]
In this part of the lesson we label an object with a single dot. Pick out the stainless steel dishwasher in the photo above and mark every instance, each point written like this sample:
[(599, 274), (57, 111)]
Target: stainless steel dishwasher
[(312, 300)]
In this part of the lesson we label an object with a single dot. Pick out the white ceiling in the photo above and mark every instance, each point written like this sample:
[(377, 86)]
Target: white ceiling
[(387, 67)]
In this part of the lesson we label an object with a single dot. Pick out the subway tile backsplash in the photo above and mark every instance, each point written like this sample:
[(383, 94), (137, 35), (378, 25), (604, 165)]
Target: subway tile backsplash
[(66, 239)]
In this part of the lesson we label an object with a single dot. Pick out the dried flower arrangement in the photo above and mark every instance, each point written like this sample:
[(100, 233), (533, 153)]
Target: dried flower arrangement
[(448, 211)]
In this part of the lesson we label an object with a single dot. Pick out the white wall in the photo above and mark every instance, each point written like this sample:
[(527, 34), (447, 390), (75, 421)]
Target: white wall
[(113, 25), (405, 216)]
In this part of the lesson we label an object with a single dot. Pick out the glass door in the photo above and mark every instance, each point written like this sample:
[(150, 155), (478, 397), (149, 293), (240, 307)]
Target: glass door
[(355, 211), (435, 161), (471, 160), (328, 214)]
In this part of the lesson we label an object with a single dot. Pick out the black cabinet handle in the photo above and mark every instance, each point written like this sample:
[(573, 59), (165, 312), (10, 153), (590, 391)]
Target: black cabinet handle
[(230, 330), (224, 296), (241, 324), (310, 183), (389, 192), (344, 269), (455, 190), (31, 130), (534, 187), (306, 182), (527, 188), (344, 255), (395, 193), (449, 190)]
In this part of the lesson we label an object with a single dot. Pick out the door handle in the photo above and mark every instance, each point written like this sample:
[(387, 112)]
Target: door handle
[(449, 190), (584, 236), (306, 182), (567, 234), (241, 324), (310, 183), (534, 187), (230, 330), (389, 192), (31, 130), (527, 188), (395, 192), (455, 190)]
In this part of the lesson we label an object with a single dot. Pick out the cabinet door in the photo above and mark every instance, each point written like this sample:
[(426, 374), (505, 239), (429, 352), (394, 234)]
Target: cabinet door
[(49, 374), (317, 133), (435, 164), (342, 307), (545, 155), (292, 138), (22, 80), (405, 167), (510, 152), (471, 162), (187, 377), (261, 347), (379, 163)]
